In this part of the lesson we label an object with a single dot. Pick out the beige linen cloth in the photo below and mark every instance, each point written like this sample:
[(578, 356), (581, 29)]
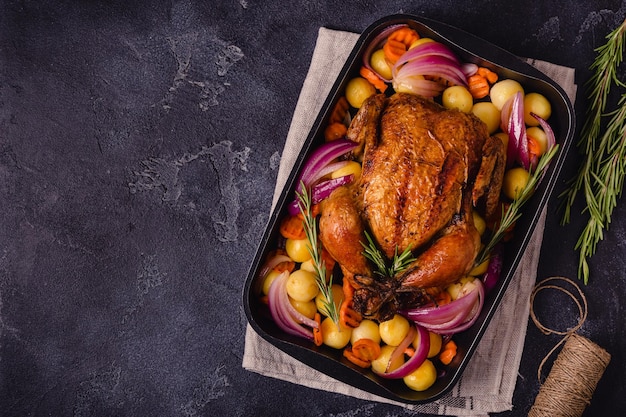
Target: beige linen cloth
[(488, 382)]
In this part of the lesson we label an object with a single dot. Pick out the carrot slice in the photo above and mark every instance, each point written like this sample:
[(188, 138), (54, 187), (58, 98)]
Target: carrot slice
[(398, 43), (491, 76), (317, 332), (347, 315), (448, 353), (340, 110), (478, 86), (366, 349), (349, 354), (291, 227), (373, 78), (334, 131), (288, 266)]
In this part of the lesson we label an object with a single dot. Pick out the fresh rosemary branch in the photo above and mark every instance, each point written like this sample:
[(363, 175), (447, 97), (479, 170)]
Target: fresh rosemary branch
[(601, 175), (398, 264), (513, 213), (310, 229)]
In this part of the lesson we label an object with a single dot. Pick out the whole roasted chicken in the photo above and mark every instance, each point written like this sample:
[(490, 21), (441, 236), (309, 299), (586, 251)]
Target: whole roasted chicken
[(424, 169)]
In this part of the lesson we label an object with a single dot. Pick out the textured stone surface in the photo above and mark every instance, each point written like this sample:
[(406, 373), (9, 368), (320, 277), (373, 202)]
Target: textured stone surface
[(139, 144)]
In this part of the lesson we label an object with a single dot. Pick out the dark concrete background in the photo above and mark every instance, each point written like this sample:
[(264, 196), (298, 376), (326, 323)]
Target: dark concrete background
[(139, 145)]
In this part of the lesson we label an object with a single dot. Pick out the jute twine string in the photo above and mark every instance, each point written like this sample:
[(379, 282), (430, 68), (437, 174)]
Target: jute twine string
[(568, 389)]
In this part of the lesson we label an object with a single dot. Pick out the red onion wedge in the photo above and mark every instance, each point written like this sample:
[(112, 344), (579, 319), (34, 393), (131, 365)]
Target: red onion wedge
[(512, 118), (453, 317), (414, 362), (284, 314), (494, 269), (376, 43), (428, 59), (319, 159)]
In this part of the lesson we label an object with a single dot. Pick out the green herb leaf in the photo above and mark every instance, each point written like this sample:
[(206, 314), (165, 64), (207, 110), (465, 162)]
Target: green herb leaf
[(603, 144), (310, 229), (398, 264), (513, 212)]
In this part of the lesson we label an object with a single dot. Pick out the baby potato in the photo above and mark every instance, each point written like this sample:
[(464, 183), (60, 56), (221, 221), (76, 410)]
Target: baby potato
[(269, 278), (420, 41), (302, 285), (538, 104), (308, 308), (358, 90), (298, 249), (489, 114), (379, 64), (435, 343), (333, 336), (515, 179), (380, 363), (308, 265), (367, 329), (337, 292), (352, 167), (503, 90), (479, 222), (457, 97), (394, 330), (423, 377)]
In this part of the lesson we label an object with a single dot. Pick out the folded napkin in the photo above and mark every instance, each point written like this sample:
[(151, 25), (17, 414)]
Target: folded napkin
[(488, 381)]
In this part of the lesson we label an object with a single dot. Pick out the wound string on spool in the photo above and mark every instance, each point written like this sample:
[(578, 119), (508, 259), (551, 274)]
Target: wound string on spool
[(577, 369)]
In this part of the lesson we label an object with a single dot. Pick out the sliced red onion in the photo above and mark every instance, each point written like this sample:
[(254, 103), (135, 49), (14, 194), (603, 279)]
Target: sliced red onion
[(331, 167), (469, 69), (377, 43), (516, 129), (324, 188), (547, 129), (418, 85), (494, 268), (318, 161), (432, 65), (452, 317), (427, 49), (418, 358), (280, 311), (265, 269)]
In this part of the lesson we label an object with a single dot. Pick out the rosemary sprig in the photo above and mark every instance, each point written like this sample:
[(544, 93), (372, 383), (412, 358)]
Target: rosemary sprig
[(314, 248), (513, 212), (398, 264), (601, 175)]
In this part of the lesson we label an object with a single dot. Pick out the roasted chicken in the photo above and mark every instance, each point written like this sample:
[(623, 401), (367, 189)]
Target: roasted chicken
[(424, 169)]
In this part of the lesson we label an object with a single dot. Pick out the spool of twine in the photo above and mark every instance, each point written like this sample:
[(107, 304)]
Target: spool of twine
[(575, 373)]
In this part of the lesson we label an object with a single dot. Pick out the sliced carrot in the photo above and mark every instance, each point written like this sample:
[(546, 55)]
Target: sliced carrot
[(349, 354), (347, 315), (409, 351), (491, 76), (398, 42), (317, 332), (393, 50), (340, 110), (315, 210), (291, 227), (373, 78), (334, 131), (478, 86), (534, 148), (264, 299), (366, 349), (448, 353)]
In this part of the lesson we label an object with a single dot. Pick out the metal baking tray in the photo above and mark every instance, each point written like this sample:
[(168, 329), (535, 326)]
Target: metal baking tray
[(330, 361)]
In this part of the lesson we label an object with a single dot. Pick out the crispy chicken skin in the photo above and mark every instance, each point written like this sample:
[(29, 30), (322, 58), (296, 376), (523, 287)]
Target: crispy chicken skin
[(424, 169)]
